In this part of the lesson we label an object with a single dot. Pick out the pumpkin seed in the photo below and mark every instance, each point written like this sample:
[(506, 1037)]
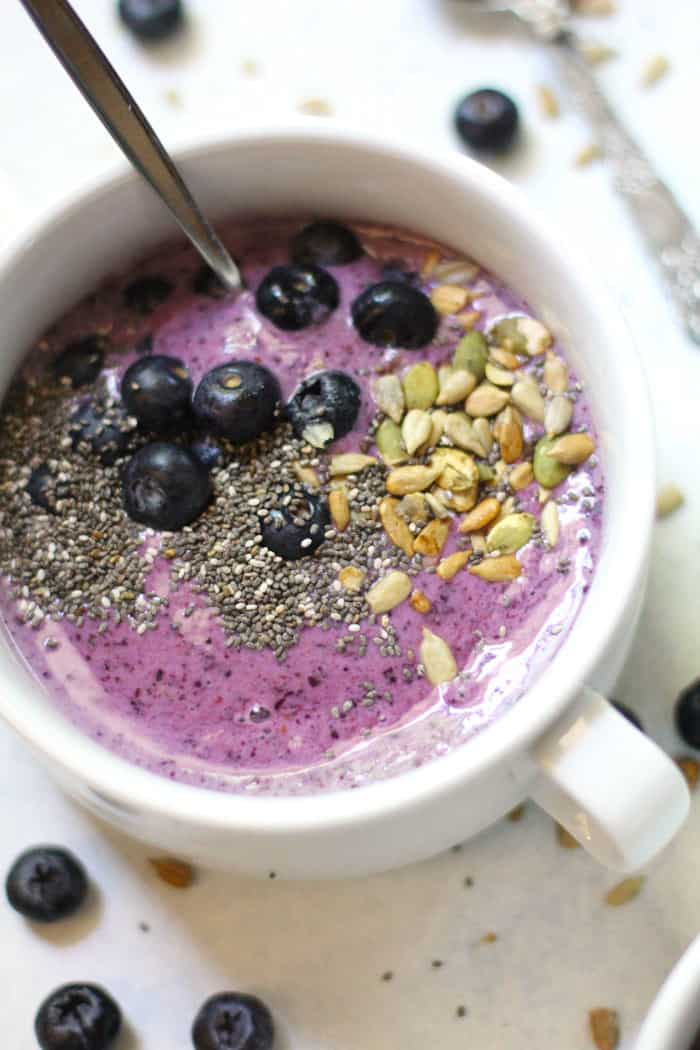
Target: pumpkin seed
[(556, 374), (486, 473), (549, 521), (527, 397), (462, 433), (481, 516), (339, 508), (497, 570), (521, 476), (394, 525), (307, 476), (437, 659), (351, 579), (389, 592), (388, 394), (319, 435), (350, 463), (557, 415), (504, 358), (420, 385), (483, 432), (668, 499), (415, 478), (456, 386), (510, 533), (572, 449), (420, 602), (389, 441), (449, 299), (509, 432), (486, 400), (499, 376), (414, 507), (549, 472), (471, 354), (432, 538), (415, 429), (455, 271), (452, 564)]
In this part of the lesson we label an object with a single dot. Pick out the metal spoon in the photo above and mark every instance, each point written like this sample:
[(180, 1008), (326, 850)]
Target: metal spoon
[(93, 74), (669, 233)]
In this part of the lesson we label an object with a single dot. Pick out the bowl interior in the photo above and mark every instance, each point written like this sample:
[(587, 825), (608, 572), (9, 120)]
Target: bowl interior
[(674, 1018)]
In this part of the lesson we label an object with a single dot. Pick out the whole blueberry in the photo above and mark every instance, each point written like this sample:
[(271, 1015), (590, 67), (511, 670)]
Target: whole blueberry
[(208, 452), (77, 1017), (326, 243), (294, 530), (101, 428), (80, 362), (46, 884), (41, 487), (165, 486), (294, 297), (394, 313), (487, 120), (237, 400), (629, 714), (207, 283), (158, 391), (146, 293), (688, 714), (324, 407), (151, 19), (233, 1021)]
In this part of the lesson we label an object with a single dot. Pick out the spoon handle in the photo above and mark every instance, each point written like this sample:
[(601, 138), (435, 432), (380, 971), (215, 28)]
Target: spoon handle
[(669, 233), (98, 81)]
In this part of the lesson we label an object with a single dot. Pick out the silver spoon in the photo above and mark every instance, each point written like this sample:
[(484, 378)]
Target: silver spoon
[(92, 73), (669, 233)]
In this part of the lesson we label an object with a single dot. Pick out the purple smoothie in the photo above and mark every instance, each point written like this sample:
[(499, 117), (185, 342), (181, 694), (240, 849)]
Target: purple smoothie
[(187, 696)]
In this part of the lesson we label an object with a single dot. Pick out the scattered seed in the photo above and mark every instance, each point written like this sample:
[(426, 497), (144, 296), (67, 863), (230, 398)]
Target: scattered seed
[(316, 107), (595, 53), (452, 564), (605, 1028), (690, 769), (420, 602), (517, 814), (489, 938), (509, 432), (565, 839), (389, 441), (549, 472), (388, 975), (655, 69), (556, 374), (461, 1011), (389, 592), (177, 873), (462, 433), (497, 570), (668, 499), (455, 271), (557, 415), (471, 354), (504, 358), (588, 154), (624, 891), (436, 656), (549, 104)]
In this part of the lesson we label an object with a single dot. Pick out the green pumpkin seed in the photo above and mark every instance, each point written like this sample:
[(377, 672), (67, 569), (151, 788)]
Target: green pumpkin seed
[(390, 443), (486, 473), (420, 385), (471, 355), (510, 533), (549, 472)]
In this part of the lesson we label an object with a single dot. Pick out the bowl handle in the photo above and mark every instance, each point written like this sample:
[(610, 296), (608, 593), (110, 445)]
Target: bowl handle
[(609, 785)]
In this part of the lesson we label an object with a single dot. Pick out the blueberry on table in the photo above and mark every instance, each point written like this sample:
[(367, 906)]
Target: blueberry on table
[(158, 391), (629, 714), (487, 120), (100, 429), (46, 884), (324, 407), (233, 1021), (80, 362), (295, 297), (688, 714), (394, 313), (40, 487), (326, 244), (296, 529), (151, 19), (237, 400), (77, 1017), (165, 486), (207, 283), (145, 294)]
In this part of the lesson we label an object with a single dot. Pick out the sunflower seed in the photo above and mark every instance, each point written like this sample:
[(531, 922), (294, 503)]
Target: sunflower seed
[(307, 476), (432, 538), (509, 432), (437, 507), (557, 415), (389, 396), (624, 891), (452, 564), (668, 499), (318, 434), (351, 579), (549, 104), (605, 1028), (415, 429), (510, 533), (499, 376), (572, 449), (527, 397), (389, 592), (394, 525), (389, 441), (449, 299), (521, 476), (549, 521), (455, 271), (339, 508), (556, 374), (481, 516), (438, 418), (456, 387), (497, 570), (654, 70), (486, 400), (350, 463), (415, 478), (457, 469), (436, 656), (462, 433), (420, 386), (504, 358)]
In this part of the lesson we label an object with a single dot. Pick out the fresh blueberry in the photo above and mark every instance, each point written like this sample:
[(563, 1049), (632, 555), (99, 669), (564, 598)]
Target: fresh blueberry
[(394, 313), (296, 529), (237, 400), (77, 1017), (324, 407), (158, 391), (487, 120), (294, 297), (207, 283), (165, 486), (101, 428), (146, 293), (41, 487), (46, 884), (151, 19), (629, 714), (688, 714), (208, 452), (325, 244), (80, 363), (233, 1021)]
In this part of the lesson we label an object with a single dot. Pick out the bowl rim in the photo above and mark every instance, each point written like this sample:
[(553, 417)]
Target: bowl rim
[(137, 790), (676, 1004)]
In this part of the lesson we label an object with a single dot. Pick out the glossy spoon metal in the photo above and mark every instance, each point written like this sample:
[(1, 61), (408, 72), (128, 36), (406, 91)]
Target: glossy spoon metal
[(98, 81)]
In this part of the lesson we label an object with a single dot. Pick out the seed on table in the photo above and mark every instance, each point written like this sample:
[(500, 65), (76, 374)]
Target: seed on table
[(625, 891), (605, 1028), (668, 499)]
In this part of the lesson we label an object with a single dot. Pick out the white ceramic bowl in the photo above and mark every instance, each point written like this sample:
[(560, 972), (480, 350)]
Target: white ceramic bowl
[(674, 1018), (561, 744)]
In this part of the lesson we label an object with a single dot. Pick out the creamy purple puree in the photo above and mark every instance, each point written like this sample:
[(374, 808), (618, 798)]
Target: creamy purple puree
[(201, 676)]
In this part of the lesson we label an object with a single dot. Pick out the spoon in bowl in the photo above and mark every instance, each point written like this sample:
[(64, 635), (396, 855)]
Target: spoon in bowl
[(93, 74)]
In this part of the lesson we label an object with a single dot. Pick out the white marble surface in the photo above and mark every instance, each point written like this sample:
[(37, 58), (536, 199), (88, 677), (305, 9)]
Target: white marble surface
[(316, 952)]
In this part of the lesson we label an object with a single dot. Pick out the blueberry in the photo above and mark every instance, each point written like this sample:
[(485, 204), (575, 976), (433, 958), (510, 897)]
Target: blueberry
[(397, 270), (207, 283), (325, 244), (158, 391), (629, 714), (80, 363), (208, 452), (294, 297), (237, 400), (77, 1017), (101, 428), (41, 487), (147, 293), (296, 529), (688, 714), (487, 120), (151, 19), (46, 884), (394, 313), (321, 401), (233, 1021), (165, 486)]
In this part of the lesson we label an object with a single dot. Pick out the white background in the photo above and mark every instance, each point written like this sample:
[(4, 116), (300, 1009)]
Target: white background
[(316, 952)]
